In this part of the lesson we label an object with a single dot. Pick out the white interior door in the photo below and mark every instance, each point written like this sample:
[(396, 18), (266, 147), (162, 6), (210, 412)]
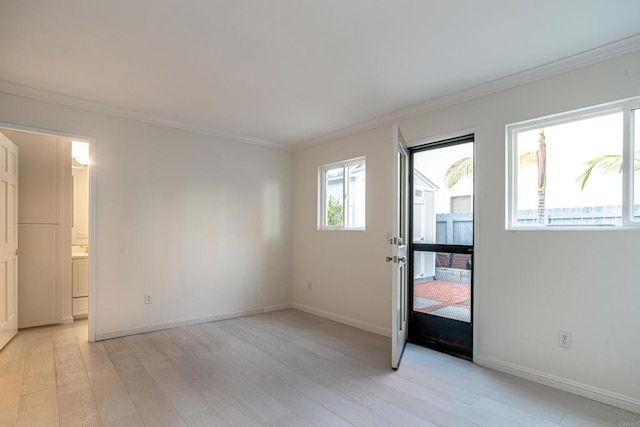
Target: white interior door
[(8, 240), (398, 243)]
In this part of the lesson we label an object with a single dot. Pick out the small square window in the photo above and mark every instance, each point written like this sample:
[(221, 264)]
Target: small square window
[(342, 195)]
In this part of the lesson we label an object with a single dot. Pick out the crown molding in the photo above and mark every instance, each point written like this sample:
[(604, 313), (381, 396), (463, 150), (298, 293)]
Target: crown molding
[(599, 54), (573, 62), (96, 107)]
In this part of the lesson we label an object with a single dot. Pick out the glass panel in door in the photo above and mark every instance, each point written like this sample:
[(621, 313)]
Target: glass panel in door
[(442, 284), (443, 195)]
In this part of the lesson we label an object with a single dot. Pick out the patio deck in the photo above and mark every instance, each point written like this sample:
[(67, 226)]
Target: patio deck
[(446, 299)]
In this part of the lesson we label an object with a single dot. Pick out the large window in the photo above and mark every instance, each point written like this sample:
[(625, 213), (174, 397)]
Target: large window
[(576, 169), (342, 195)]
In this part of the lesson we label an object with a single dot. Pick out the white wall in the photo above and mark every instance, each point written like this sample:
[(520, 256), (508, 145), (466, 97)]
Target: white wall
[(80, 227), (348, 275), (528, 284), (201, 223)]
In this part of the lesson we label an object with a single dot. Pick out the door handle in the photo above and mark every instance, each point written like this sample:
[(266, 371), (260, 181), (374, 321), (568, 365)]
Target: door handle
[(402, 259), (18, 252), (389, 259)]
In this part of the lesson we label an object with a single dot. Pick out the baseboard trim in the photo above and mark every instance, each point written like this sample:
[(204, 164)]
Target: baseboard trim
[(67, 320), (39, 323), (276, 307), (173, 324), (564, 384), (370, 327)]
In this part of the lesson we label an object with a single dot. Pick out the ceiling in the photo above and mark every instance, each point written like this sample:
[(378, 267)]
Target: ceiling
[(288, 71)]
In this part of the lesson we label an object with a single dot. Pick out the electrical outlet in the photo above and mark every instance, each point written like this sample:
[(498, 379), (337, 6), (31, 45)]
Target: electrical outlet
[(564, 339), (309, 285), (147, 298)]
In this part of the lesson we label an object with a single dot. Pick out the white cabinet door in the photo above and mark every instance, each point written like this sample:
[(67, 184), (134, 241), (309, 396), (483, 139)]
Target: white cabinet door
[(44, 226), (8, 240), (38, 271), (80, 306), (80, 277)]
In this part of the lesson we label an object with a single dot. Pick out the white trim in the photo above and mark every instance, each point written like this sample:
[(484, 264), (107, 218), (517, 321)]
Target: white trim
[(583, 59), (627, 167), (599, 54), (370, 327), (92, 241), (276, 307), (477, 255), (44, 132), (443, 137), (631, 147), (66, 320), (595, 393), (569, 227), (591, 111), (96, 107), (173, 324), (510, 179), (39, 323)]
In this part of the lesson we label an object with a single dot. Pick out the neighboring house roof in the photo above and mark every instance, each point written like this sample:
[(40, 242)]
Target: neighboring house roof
[(423, 180)]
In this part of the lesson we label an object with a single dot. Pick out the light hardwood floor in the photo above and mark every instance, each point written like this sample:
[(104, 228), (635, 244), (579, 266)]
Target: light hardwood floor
[(284, 368)]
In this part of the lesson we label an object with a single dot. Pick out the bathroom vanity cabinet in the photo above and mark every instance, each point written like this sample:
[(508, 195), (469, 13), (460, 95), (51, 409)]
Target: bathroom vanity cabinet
[(80, 271)]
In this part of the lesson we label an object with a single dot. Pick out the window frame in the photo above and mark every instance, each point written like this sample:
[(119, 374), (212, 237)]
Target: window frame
[(626, 107), (322, 195)]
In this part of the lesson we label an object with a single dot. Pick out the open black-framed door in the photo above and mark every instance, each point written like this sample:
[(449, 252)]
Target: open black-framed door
[(441, 246), (398, 241)]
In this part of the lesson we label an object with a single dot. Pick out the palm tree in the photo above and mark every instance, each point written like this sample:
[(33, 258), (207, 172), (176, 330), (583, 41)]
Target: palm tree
[(607, 163), (463, 168), (541, 155)]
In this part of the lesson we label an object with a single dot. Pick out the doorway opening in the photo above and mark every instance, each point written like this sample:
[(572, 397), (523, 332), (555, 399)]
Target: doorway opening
[(80, 229), (53, 226), (441, 246)]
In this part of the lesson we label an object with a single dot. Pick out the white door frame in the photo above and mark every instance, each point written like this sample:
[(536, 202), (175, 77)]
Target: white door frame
[(92, 222)]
